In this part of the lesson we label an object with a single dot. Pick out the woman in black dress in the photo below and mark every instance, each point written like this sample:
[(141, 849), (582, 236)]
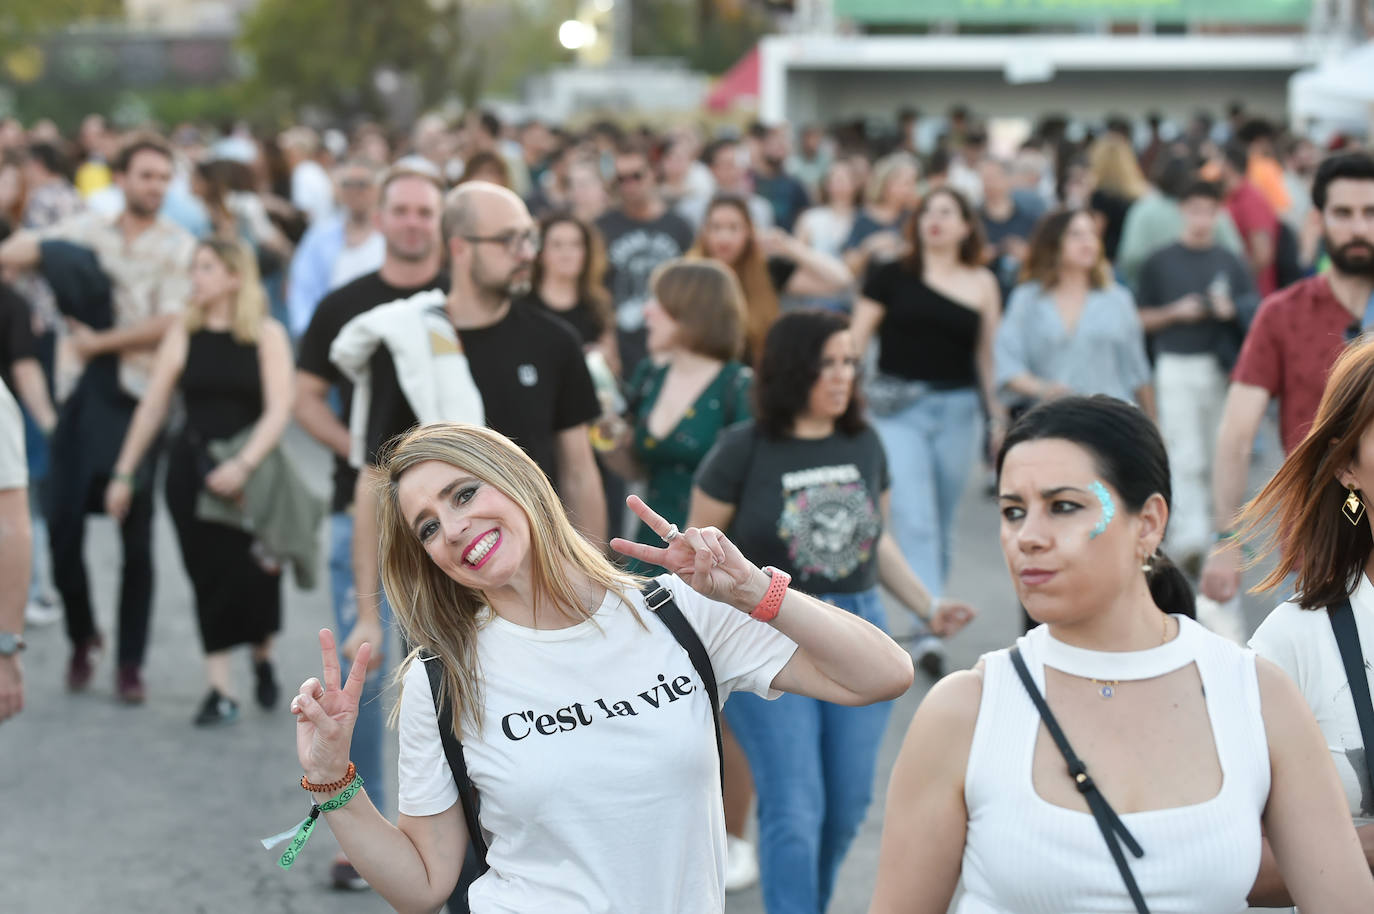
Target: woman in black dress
[(232, 364)]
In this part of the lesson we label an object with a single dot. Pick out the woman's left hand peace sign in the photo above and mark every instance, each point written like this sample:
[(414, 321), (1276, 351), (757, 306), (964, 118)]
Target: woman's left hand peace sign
[(702, 556)]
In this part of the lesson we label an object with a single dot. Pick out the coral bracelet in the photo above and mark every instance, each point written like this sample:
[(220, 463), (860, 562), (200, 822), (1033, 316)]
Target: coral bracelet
[(768, 607)]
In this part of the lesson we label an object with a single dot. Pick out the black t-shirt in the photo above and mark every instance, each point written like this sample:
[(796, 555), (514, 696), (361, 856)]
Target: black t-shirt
[(336, 309), (1113, 207), (633, 249), (780, 270), (16, 334), (532, 376), (582, 317), (811, 507), (925, 335)]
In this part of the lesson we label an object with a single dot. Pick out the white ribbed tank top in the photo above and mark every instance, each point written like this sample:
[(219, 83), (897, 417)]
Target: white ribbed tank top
[(1025, 855)]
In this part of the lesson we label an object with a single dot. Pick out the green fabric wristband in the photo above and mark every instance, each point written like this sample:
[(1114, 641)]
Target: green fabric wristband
[(307, 826)]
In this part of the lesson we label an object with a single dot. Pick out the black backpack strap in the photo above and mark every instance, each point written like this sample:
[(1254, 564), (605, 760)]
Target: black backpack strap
[(660, 601), (1348, 640), (453, 751), (1108, 822)]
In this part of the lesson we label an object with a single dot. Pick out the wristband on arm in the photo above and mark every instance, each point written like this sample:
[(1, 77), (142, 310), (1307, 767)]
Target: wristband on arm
[(768, 607)]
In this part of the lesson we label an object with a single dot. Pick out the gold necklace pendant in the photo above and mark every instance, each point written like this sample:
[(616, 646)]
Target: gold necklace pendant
[(1107, 688)]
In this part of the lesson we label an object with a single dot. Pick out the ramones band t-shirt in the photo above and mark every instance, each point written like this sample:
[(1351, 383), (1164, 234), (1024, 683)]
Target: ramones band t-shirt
[(811, 507)]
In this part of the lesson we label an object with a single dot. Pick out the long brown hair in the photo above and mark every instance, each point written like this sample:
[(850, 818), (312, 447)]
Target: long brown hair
[(591, 282), (1298, 514), (751, 268), (970, 249), (1046, 243), (438, 615)]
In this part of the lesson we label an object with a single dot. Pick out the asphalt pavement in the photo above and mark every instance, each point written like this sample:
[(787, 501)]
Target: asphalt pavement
[(107, 809)]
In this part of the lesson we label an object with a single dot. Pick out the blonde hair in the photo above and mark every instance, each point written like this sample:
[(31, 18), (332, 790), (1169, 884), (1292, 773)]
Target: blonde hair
[(250, 304), (438, 615), (882, 173), (1115, 168)]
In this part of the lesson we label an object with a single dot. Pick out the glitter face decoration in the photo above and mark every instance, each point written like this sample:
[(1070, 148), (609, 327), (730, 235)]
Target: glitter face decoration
[(1104, 498)]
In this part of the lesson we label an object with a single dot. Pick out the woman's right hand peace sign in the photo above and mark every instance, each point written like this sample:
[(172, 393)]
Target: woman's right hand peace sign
[(326, 713)]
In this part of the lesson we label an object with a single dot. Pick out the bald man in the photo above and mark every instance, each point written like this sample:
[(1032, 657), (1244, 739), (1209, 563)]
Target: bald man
[(527, 364)]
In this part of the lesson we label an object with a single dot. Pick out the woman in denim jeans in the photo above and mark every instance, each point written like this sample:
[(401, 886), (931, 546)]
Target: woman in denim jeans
[(935, 315), (805, 486)]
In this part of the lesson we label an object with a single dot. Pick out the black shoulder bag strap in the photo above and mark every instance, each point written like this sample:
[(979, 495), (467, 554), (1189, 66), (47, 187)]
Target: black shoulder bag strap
[(1348, 640), (660, 601), (453, 751), (1114, 832)]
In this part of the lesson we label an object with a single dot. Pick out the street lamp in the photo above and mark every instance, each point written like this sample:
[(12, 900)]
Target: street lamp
[(574, 35)]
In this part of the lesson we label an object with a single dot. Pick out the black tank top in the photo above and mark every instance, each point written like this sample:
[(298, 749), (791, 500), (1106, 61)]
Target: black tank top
[(925, 335), (221, 385)]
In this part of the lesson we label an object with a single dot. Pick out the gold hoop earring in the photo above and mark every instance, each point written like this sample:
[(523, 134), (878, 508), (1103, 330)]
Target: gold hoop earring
[(1353, 509)]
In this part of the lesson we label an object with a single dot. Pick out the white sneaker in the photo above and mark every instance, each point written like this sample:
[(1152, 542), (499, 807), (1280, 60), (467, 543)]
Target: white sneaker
[(741, 864), (42, 612)]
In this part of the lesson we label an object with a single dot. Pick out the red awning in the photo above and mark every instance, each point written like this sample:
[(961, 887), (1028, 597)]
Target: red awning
[(740, 84)]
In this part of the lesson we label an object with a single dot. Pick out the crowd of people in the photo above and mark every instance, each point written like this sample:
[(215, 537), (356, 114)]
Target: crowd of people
[(798, 347)]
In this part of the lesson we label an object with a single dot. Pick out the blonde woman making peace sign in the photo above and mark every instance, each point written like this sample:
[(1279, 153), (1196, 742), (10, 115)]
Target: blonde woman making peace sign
[(584, 727)]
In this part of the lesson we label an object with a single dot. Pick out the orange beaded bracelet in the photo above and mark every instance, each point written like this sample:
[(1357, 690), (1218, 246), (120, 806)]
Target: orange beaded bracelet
[(332, 786)]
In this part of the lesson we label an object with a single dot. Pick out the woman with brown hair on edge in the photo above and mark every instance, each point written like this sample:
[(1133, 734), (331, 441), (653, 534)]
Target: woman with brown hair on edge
[(1313, 516)]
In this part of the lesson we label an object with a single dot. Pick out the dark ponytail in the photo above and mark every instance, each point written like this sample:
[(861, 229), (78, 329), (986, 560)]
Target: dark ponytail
[(1169, 588), (1130, 455)]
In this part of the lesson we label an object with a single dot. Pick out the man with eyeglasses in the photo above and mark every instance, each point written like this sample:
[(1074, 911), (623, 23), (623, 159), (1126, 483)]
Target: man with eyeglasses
[(527, 366), (640, 234), (337, 251), (1296, 337)]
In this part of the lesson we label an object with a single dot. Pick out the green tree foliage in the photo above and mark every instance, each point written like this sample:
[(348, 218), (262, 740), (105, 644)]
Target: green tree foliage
[(23, 20), (327, 53), (711, 35)]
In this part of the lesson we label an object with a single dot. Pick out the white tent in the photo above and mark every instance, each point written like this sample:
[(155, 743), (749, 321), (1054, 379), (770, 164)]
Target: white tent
[(1337, 95)]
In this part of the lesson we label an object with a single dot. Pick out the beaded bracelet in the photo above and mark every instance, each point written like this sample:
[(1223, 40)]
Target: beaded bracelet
[(332, 786), (307, 826)]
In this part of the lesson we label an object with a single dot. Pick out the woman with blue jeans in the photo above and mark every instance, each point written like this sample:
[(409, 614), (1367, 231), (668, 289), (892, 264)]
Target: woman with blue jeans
[(934, 313), (805, 486)]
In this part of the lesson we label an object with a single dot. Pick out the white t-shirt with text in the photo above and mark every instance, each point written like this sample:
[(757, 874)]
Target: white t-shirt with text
[(596, 765), (1302, 643)]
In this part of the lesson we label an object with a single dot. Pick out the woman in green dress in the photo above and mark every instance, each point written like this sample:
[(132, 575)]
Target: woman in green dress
[(690, 388)]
